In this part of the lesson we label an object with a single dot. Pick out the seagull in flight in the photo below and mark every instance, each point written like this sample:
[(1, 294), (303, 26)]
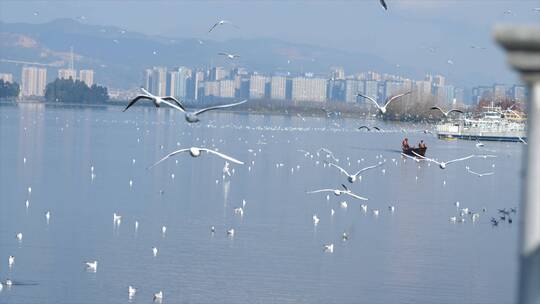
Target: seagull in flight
[(445, 114), (443, 165), (91, 266), (196, 152), (479, 174), (353, 177), (383, 108), (220, 22), (229, 55), (338, 192), (193, 116), (383, 3), (369, 129), (157, 100)]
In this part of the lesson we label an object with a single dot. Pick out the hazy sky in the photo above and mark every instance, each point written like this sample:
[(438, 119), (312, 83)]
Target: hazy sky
[(423, 33)]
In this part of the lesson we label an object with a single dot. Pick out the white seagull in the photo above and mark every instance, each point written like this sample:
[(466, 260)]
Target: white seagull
[(193, 116), (220, 22), (338, 192), (131, 291), (196, 152), (91, 266), (155, 251), (328, 248), (382, 109), (11, 261), (157, 100), (158, 296), (445, 114), (353, 177), (229, 55), (443, 165)]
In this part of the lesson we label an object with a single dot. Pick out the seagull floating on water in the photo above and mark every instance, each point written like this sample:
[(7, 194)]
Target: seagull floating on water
[(158, 296), (157, 100), (131, 291), (196, 152), (11, 260), (339, 192), (383, 109), (328, 248), (91, 266)]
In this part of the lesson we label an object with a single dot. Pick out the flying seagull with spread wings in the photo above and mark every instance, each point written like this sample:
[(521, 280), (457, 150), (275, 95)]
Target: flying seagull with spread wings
[(354, 177), (339, 192), (157, 100), (382, 109), (445, 114), (196, 152), (220, 22), (229, 55)]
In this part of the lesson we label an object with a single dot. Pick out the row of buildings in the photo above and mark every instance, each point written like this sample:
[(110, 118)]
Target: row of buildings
[(34, 79), (218, 82)]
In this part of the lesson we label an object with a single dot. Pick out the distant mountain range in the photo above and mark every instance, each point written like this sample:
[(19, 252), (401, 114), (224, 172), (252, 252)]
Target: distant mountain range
[(119, 56)]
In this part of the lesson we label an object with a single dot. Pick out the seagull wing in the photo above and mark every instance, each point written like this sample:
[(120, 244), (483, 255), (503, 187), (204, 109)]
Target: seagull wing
[(222, 156), (377, 128), (396, 97), (139, 97), (383, 3), (172, 99), (368, 168), (437, 108), (340, 169), (356, 196), (454, 110), (167, 156), (213, 27), (364, 127), (459, 159), (321, 190), (371, 99), (220, 107), (223, 54)]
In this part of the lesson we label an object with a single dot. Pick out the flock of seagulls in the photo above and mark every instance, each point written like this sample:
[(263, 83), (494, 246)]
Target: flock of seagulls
[(355, 176)]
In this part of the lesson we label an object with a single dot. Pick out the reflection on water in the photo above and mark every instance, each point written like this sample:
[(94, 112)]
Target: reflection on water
[(413, 254)]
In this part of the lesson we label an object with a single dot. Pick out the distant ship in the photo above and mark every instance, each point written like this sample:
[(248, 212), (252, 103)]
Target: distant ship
[(492, 125)]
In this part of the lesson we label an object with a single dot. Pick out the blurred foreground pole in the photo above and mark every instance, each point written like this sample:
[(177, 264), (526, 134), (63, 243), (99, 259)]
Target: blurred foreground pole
[(522, 44)]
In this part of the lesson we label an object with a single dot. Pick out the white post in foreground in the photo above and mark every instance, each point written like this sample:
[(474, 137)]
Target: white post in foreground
[(522, 44)]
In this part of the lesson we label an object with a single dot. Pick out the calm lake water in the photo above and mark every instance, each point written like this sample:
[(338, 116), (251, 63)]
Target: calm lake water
[(412, 255)]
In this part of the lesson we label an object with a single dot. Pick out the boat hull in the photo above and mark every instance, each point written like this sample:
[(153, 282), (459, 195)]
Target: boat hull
[(482, 137), (419, 151)]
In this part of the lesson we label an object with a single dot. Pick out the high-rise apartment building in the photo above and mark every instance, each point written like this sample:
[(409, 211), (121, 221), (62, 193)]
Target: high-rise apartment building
[(278, 87), (156, 81), (33, 81), (352, 88), (257, 85), (87, 76), (309, 89), (227, 88)]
